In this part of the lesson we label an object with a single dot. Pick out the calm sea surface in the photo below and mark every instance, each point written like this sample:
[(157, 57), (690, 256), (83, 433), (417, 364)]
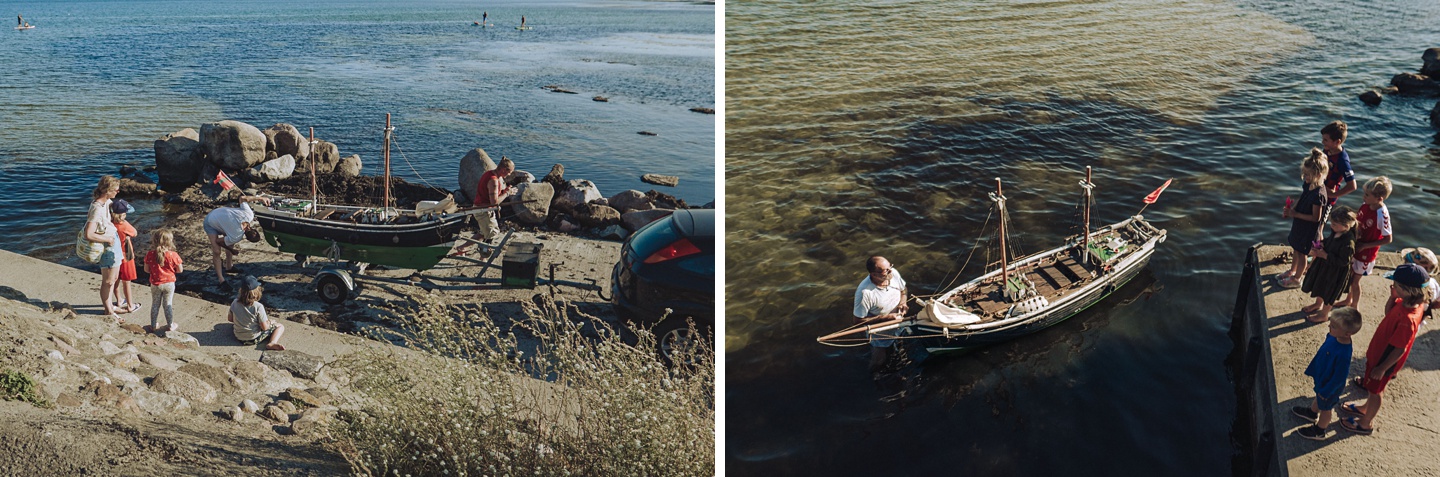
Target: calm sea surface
[(857, 128), (96, 82)]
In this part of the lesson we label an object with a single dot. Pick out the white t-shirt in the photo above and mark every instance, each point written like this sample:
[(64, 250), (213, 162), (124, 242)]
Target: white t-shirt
[(229, 221), (248, 319), (872, 300), (100, 213)]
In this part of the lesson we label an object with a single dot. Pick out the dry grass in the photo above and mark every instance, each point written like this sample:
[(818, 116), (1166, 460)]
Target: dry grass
[(471, 405)]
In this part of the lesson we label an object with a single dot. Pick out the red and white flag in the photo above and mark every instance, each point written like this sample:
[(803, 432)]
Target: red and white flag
[(1154, 196), (227, 184)]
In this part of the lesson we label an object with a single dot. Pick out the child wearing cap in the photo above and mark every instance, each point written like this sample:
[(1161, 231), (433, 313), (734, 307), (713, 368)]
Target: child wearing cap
[(1391, 344), (248, 315), (1425, 259), (118, 210)]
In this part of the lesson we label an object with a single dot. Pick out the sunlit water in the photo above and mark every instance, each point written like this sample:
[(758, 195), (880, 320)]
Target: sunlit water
[(857, 128), (96, 82)]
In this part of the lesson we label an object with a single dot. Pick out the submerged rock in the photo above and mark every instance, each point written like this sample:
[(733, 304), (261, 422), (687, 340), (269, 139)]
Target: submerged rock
[(658, 179), (1370, 97)]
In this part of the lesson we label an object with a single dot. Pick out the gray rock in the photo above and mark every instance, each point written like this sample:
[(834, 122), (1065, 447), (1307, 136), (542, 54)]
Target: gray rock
[(1411, 83), (183, 340), (284, 139), (235, 413), (55, 355), (350, 166), (183, 385), (249, 406), (217, 378), (630, 200), (138, 186), (519, 177), (269, 171), (614, 232), (274, 413), (1431, 57), (297, 363), (64, 345), (1370, 97), (177, 158), (158, 403), (310, 421), (591, 215), (249, 372), (472, 166), (159, 361), (123, 360), (657, 179), (576, 192), (322, 394), (302, 397), (287, 406), (232, 145), (556, 177), (533, 213), (665, 201), (326, 156)]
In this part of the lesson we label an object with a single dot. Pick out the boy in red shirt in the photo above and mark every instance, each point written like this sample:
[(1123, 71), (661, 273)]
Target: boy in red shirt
[(1391, 344), (1374, 232)]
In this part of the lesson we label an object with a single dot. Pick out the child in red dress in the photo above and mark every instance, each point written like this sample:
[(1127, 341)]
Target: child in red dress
[(118, 210)]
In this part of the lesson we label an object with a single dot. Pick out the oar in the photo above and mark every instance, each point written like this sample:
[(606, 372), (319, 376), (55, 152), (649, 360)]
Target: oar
[(873, 324)]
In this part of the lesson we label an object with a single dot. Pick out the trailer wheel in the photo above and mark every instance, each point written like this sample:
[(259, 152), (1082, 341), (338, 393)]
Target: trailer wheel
[(332, 290)]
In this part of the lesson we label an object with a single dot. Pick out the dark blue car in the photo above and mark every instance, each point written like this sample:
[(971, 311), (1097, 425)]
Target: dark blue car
[(669, 264)]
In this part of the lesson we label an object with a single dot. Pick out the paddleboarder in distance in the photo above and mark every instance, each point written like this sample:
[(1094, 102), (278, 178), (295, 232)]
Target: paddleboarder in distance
[(19, 21), (522, 21), (484, 18)]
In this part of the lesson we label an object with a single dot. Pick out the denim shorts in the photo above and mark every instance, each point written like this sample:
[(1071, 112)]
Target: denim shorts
[(107, 259)]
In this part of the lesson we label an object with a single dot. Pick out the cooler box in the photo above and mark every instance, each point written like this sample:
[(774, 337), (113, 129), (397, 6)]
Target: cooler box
[(520, 264)]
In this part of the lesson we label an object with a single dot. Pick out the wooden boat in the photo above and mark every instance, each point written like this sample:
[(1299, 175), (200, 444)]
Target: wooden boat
[(415, 239), (1024, 295)]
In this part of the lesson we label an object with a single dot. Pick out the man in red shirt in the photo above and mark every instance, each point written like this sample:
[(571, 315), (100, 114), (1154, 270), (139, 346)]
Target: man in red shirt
[(490, 191)]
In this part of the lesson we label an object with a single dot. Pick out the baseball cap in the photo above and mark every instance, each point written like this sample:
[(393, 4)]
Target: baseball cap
[(119, 206), (1410, 275)]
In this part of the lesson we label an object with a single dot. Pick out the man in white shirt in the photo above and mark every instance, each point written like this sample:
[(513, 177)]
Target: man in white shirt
[(881, 295), (225, 227)]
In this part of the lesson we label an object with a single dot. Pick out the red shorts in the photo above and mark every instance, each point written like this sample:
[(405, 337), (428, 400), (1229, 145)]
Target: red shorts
[(127, 271), (1375, 386)]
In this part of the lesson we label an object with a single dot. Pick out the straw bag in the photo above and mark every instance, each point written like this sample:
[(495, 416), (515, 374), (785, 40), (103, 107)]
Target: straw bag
[(87, 250)]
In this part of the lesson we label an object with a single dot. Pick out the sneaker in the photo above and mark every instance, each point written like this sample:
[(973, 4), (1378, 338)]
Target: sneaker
[(1305, 413), (173, 327), (1314, 433)]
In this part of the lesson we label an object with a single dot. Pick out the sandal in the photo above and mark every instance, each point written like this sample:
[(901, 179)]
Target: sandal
[(1350, 409), (134, 307), (117, 319), (1283, 276), (1352, 424), (1290, 283)]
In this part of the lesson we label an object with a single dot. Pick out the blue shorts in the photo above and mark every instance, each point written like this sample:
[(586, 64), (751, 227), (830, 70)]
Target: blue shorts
[(107, 259), (210, 230), (1327, 403)]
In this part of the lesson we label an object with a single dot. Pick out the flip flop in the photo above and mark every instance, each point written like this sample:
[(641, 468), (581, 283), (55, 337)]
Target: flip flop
[(134, 307), (117, 319), (1350, 409), (1352, 424)]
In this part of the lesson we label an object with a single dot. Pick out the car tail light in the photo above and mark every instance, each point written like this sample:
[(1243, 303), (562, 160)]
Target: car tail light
[(680, 248)]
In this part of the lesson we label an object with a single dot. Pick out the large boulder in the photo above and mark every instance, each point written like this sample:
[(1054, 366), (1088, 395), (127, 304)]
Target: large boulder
[(270, 171), (350, 166), (556, 177), (533, 213), (137, 186), (576, 192), (179, 383), (662, 200), (1432, 62), (519, 177), (300, 364), (326, 156), (630, 200), (1411, 83), (591, 215), (283, 139), (632, 221), (475, 164), (232, 145), (177, 158)]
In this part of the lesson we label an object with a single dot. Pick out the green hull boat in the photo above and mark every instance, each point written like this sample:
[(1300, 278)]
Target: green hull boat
[(414, 258)]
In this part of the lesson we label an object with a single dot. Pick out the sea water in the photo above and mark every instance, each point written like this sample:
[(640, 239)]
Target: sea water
[(98, 81), (859, 128)]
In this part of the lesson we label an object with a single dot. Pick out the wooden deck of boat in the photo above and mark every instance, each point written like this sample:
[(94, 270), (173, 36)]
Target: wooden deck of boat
[(1049, 279)]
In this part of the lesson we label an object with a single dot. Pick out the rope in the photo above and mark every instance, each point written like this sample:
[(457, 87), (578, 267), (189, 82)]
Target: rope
[(412, 165), (940, 290)]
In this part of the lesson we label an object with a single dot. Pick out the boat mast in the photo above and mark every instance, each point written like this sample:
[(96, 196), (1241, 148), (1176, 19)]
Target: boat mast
[(314, 191), (999, 198), (1085, 237), (385, 206)]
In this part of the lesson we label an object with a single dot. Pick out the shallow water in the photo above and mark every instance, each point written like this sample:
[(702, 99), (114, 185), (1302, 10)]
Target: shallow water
[(96, 82), (878, 128)]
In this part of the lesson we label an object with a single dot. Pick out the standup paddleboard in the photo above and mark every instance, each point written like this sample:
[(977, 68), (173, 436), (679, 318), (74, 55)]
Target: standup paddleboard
[(523, 28), (25, 27)]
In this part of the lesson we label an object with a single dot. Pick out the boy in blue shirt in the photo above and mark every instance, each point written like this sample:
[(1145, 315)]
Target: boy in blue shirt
[(1329, 368), (1341, 179)]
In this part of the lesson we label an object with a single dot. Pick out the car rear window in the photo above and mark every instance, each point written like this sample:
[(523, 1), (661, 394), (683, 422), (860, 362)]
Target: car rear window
[(655, 236)]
